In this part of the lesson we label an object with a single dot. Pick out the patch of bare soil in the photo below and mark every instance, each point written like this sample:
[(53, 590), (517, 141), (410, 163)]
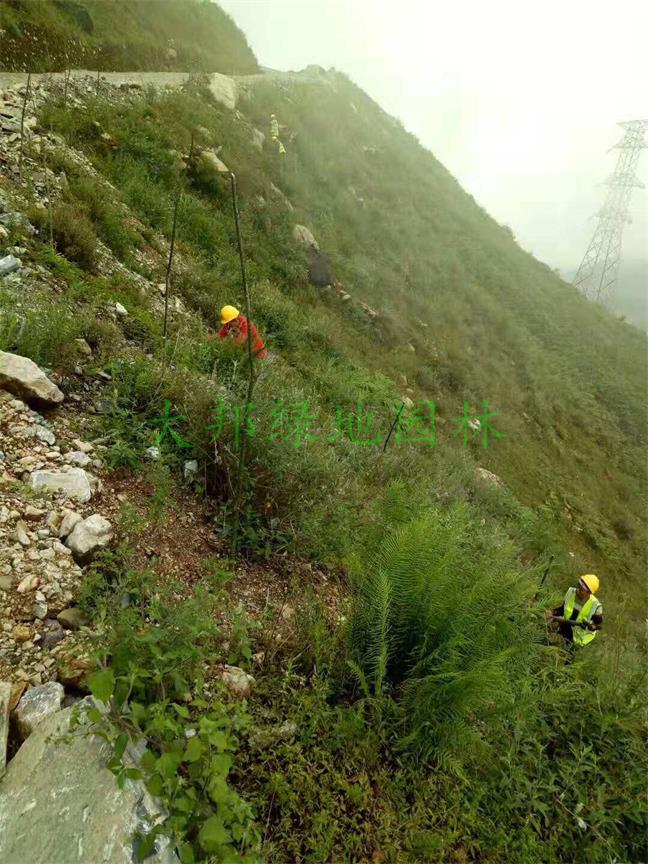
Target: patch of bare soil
[(181, 543)]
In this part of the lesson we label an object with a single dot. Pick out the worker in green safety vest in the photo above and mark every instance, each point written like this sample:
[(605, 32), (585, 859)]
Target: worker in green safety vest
[(580, 616), (274, 135)]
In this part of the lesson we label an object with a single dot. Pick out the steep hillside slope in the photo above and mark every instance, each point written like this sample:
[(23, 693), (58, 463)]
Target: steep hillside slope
[(442, 304), (567, 378), (410, 703), (187, 35)]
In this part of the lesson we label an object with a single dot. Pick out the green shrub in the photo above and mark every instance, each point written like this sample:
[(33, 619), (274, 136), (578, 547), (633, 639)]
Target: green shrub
[(110, 222), (441, 614), (45, 334), (74, 236), (159, 646)]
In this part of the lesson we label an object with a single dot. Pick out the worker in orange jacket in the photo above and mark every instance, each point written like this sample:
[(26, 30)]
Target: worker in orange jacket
[(235, 326)]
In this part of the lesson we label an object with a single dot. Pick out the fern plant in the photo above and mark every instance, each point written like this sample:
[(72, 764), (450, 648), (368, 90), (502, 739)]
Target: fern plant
[(441, 621)]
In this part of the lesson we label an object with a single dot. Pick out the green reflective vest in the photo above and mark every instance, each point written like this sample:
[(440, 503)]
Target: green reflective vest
[(589, 608)]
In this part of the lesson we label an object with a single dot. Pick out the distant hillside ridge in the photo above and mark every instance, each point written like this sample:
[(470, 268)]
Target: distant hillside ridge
[(183, 35)]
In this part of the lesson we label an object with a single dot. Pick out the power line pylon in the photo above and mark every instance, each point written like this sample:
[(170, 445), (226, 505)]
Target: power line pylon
[(599, 269)]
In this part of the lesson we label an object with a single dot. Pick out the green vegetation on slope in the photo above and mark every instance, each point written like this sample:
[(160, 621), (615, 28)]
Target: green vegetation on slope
[(486, 321), (418, 733), (111, 35), (439, 722)]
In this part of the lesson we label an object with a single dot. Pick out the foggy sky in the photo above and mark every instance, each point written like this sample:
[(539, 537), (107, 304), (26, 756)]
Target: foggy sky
[(518, 99)]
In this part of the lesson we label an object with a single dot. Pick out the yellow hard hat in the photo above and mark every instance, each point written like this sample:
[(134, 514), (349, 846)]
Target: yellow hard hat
[(591, 581), (229, 313)]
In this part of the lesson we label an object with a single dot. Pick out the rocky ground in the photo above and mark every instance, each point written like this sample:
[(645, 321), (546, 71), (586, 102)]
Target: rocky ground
[(58, 504), (47, 490)]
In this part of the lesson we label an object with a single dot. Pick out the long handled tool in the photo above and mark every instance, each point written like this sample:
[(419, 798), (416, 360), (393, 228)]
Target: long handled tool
[(543, 580)]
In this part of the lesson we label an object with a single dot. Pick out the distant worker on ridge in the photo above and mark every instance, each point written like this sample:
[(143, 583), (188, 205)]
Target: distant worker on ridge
[(274, 134), (581, 615), (235, 325)]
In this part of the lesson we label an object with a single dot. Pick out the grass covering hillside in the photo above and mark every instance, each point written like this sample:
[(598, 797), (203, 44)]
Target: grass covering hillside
[(187, 35), (434, 719), (464, 314)]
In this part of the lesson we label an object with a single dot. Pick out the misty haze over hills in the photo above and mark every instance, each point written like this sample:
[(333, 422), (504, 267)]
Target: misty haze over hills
[(631, 297)]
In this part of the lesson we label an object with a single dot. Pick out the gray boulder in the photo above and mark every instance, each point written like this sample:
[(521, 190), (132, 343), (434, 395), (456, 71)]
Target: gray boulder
[(77, 457), (40, 432), (304, 236), (72, 618), (223, 89), (210, 159), (59, 803), (83, 347), (488, 477), (319, 268), (73, 483), (22, 377), (265, 738), (70, 519), (37, 705), (52, 635), (89, 536), (8, 264), (237, 681), (190, 469)]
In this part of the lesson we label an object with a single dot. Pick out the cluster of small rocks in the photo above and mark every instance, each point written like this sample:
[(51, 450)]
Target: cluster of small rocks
[(47, 533), (37, 183)]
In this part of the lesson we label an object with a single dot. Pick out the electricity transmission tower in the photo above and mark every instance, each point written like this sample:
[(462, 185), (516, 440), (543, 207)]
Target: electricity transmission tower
[(599, 269)]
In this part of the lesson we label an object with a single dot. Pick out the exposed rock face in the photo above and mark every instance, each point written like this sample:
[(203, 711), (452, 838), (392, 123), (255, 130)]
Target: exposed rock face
[(190, 469), (83, 347), (265, 738), (89, 536), (237, 681), (38, 574), (304, 236), (9, 264), (73, 483), (37, 705), (209, 157), (276, 191), (23, 378), (223, 89), (59, 803), (489, 477)]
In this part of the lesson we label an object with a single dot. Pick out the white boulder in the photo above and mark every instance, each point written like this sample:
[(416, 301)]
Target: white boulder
[(89, 536), (223, 89), (304, 236), (489, 477), (70, 519), (237, 681), (73, 483), (22, 377)]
